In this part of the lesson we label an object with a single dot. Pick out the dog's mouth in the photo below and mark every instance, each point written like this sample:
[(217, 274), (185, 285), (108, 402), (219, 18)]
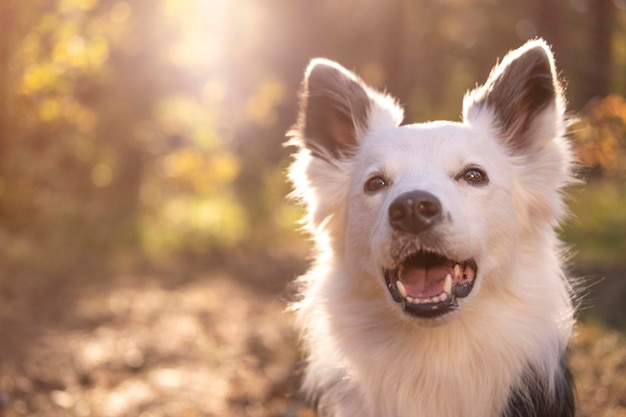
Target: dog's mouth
[(428, 285)]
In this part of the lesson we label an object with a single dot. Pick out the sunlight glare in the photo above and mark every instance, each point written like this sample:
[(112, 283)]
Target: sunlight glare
[(203, 31), (120, 12)]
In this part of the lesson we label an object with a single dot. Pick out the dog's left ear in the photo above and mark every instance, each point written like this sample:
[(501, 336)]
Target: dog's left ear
[(337, 109), (524, 97), (523, 101)]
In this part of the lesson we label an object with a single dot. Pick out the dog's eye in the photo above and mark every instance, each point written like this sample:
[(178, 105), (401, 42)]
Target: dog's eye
[(474, 176), (375, 184)]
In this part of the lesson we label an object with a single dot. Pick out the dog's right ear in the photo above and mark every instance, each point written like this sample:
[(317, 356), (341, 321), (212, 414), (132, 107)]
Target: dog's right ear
[(336, 109)]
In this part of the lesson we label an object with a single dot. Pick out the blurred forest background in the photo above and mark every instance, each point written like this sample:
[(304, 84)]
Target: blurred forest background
[(145, 239)]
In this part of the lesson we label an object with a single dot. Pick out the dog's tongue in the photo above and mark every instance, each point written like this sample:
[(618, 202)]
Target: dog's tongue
[(421, 282)]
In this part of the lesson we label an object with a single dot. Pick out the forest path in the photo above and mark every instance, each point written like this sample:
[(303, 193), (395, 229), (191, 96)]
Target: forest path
[(200, 345)]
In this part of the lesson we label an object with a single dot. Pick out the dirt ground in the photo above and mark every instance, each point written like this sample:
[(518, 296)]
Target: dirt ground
[(170, 343)]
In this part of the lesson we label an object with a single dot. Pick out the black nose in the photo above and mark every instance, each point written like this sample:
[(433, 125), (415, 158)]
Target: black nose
[(414, 212)]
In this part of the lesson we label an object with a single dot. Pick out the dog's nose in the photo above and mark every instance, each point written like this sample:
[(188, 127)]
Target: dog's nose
[(414, 212)]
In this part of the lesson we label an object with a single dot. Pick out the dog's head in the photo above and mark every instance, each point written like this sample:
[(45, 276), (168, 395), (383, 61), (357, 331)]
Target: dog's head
[(435, 213)]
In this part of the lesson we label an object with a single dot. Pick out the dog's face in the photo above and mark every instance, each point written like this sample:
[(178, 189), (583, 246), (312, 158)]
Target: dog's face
[(421, 213), (432, 214)]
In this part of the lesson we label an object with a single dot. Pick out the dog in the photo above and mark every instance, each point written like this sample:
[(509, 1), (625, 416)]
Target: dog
[(437, 285)]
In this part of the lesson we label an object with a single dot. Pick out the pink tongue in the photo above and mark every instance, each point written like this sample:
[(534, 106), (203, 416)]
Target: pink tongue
[(424, 283)]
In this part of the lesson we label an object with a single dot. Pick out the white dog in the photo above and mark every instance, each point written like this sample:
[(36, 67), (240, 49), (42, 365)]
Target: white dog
[(437, 287)]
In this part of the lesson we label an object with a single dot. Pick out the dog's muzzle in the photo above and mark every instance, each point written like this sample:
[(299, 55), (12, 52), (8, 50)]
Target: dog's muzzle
[(427, 284)]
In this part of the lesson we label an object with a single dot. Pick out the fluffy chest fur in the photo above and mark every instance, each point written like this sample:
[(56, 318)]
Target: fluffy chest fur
[(364, 361)]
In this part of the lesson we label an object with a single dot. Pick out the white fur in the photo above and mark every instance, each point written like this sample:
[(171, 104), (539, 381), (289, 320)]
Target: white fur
[(369, 358)]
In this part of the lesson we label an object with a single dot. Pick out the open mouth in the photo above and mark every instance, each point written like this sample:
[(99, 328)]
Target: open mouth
[(429, 285)]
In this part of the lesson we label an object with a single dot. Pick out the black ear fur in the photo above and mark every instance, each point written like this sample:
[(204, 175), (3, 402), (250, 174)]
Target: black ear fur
[(518, 91), (334, 106)]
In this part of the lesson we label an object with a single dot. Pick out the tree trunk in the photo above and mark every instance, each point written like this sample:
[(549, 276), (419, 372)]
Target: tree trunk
[(7, 19), (597, 71)]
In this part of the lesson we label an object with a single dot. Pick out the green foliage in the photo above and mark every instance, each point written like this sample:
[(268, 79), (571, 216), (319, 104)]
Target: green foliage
[(597, 228)]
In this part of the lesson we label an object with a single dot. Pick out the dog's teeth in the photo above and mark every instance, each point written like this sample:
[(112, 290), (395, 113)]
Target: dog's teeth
[(401, 289), (443, 296), (457, 271), (447, 285), (468, 272)]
